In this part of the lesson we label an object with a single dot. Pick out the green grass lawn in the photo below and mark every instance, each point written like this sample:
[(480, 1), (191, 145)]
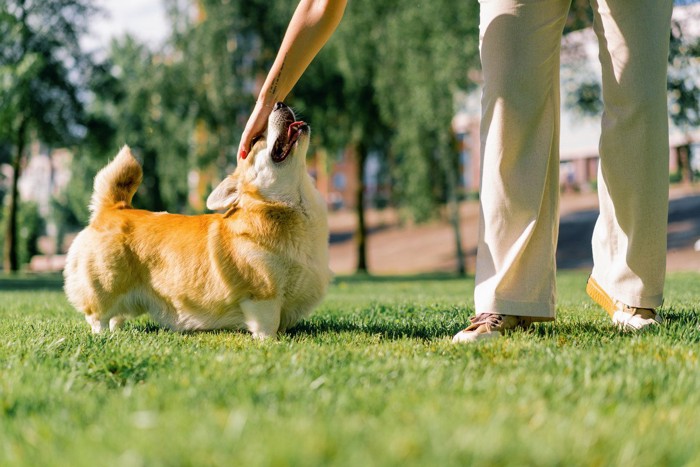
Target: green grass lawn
[(370, 379)]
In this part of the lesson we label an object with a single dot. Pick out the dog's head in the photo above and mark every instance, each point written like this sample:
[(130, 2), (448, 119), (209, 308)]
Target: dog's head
[(275, 166)]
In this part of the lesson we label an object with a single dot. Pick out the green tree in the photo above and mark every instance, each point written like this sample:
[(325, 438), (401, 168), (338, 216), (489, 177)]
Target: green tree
[(140, 99), (421, 74), (355, 46), (40, 66)]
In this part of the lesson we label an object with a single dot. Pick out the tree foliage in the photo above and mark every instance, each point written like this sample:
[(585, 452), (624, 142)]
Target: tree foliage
[(40, 69), (139, 98), (420, 77), (41, 65), (684, 78)]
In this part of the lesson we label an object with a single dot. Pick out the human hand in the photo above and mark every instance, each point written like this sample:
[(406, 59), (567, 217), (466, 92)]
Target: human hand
[(257, 122), (312, 24)]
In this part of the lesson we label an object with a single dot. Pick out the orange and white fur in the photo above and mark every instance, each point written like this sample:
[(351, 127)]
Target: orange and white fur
[(261, 266)]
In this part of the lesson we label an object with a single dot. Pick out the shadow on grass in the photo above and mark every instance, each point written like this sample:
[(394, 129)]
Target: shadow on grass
[(145, 325), (682, 324), (393, 332), (555, 332), (315, 326), (410, 323), (557, 329)]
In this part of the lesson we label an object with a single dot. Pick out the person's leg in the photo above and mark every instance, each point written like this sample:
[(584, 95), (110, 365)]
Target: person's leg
[(629, 241), (520, 46)]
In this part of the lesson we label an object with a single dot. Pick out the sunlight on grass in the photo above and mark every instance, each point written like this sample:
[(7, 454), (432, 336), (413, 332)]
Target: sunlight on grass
[(370, 379)]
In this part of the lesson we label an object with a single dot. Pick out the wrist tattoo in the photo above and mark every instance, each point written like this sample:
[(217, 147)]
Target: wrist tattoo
[(275, 82)]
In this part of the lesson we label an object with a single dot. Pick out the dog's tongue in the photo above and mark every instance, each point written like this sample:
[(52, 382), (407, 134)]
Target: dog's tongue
[(293, 128)]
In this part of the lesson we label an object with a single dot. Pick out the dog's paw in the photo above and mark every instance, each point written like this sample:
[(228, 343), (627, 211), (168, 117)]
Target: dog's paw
[(96, 324), (116, 323), (99, 326), (262, 318), (264, 336)]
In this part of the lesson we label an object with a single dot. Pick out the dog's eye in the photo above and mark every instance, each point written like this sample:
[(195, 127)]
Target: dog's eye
[(255, 140)]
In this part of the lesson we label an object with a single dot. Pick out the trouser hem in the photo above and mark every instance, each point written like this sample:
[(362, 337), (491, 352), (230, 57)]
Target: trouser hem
[(630, 299), (533, 311)]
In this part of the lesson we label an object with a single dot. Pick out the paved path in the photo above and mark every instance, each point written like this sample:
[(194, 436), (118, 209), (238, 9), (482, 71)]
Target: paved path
[(576, 228), (394, 249)]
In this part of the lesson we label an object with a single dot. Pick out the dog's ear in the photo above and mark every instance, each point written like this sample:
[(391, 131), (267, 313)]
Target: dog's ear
[(224, 196)]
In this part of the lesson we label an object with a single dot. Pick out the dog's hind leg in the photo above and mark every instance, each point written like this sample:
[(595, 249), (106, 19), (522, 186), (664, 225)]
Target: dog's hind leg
[(262, 317), (98, 324), (116, 323)]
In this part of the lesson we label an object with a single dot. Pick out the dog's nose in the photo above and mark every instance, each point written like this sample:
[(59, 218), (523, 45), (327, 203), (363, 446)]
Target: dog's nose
[(278, 106)]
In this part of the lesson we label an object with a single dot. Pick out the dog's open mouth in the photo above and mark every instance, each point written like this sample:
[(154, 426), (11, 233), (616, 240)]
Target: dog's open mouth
[(285, 143)]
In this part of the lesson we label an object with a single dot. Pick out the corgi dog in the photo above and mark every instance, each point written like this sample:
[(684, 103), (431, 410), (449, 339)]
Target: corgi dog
[(261, 266)]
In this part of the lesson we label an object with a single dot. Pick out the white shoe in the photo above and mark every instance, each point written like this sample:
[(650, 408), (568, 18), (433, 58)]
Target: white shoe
[(625, 317), (487, 326), (636, 319)]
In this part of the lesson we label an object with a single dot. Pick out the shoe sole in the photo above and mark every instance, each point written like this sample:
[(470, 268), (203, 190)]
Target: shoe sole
[(596, 292), (462, 338)]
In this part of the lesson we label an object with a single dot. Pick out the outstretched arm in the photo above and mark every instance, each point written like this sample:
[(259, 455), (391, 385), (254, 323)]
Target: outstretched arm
[(311, 25)]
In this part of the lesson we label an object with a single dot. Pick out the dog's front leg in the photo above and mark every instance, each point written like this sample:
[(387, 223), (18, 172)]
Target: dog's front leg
[(262, 317)]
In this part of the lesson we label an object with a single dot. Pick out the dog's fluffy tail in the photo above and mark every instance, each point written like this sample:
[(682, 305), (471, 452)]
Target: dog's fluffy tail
[(116, 183)]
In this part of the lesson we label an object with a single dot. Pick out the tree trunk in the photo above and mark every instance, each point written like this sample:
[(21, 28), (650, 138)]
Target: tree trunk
[(453, 209), (151, 180), (11, 256), (361, 157), (684, 163), (453, 203)]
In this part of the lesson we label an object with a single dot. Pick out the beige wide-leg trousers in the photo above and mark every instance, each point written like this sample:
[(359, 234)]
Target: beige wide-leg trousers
[(520, 46)]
